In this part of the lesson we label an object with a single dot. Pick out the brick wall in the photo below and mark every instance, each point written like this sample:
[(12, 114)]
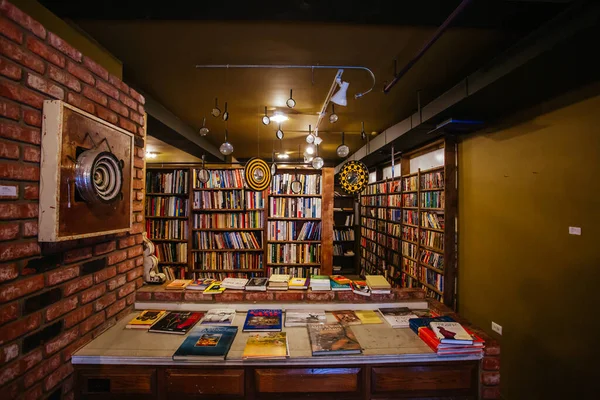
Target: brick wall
[(55, 297)]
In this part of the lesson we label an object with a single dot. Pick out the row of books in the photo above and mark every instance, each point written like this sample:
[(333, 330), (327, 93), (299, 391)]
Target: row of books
[(228, 260), (409, 183), (219, 276), (432, 278), (173, 273), (294, 253), (409, 200), (433, 239), (432, 180), (343, 234), (288, 207), (349, 220), (374, 201), (176, 182), (310, 184), (432, 199), (227, 240), (171, 252), (167, 229), (230, 220), (166, 206), (227, 199), (220, 178), (294, 230), (432, 220), (297, 272), (394, 200), (377, 188)]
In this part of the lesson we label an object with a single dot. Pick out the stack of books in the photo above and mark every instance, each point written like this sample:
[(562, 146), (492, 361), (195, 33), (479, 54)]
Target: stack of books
[(447, 337), (200, 284), (320, 282), (257, 284), (360, 287), (298, 283), (340, 283), (234, 283), (278, 282), (378, 284)]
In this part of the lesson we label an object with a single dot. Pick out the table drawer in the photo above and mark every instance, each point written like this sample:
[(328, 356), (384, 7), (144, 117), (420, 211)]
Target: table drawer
[(307, 380), (117, 382), (205, 382), (455, 379)]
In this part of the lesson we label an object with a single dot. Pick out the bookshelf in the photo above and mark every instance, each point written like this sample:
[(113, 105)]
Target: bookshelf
[(344, 232), (166, 212), (407, 226)]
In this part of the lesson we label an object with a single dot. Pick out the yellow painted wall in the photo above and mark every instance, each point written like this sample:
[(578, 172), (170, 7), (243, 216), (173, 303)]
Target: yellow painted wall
[(74, 37), (520, 188)]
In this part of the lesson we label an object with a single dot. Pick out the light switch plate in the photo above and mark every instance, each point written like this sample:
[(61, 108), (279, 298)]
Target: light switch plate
[(574, 230), (497, 328)]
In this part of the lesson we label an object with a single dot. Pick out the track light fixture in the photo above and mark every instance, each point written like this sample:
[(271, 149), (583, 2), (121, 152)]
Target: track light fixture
[(340, 97)]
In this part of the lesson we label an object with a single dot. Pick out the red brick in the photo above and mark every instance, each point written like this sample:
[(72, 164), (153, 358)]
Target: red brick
[(30, 360), (139, 163), (139, 282), (104, 248), (43, 85), (81, 73), (175, 295), (139, 195), (289, 296), (490, 378), (9, 353), (125, 290), (45, 52), (139, 261), (92, 322), (320, 296), (10, 211), (137, 118), (9, 312), (125, 266), (61, 275), (21, 287), (129, 300), (490, 392), (141, 131), (95, 68), (259, 296), (138, 97), (12, 251), (122, 86), (139, 174), (20, 327), (81, 102), (138, 206), (8, 272), (18, 171), (384, 298), (41, 370), (128, 101), (147, 296), (64, 78), (107, 89), (116, 282), (491, 363), (31, 154), (61, 341), (78, 315), (136, 273), (141, 109), (22, 19), (9, 372), (64, 47), (135, 251), (118, 107), (58, 376), (105, 274), (32, 117), (492, 349), (92, 294), (107, 115), (10, 30), (78, 285), (115, 308), (9, 150), (20, 94), (30, 228), (127, 125), (10, 70), (105, 301), (9, 231), (61, 308), (95, 95), (20, 133), (126, 242), (116, 257), (9, 110), (77, 254), (69, 383), (138, 218)]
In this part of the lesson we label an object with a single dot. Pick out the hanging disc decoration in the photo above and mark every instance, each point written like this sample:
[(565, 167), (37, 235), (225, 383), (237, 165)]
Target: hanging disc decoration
[(257, 174), (354, 176)]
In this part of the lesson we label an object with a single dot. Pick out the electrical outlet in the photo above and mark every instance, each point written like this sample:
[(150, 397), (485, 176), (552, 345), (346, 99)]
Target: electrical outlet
[(497, 328)]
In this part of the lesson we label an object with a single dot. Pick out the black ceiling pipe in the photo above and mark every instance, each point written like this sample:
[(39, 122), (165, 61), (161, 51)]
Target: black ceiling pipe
[(463, 4)]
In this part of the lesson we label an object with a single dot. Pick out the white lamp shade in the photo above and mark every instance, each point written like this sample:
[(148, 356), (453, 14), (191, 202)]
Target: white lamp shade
[(340, 97)]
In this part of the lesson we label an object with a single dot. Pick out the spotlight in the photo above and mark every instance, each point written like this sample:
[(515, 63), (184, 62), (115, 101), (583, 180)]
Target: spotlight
[(333, 116), (150, 154), (340, 97), (279, 117), (283, 156), (310, 149), (317, 162), (318, 140)]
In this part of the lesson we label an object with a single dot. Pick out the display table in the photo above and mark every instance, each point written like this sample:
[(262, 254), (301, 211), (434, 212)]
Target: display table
[(123, 363)]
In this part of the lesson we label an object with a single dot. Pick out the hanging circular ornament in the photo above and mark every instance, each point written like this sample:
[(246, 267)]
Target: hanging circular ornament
[(257, 174), (203, 176), (354, 176), (279, 133)]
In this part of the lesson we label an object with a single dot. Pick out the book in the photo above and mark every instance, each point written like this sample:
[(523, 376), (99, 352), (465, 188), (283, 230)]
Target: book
[(214, 288), (199, 284), (340, 286), (430, 339), (271, 345), (320, 282), (263, 321), (206, 344), (340, 279), (297, 283), (177, 322), (218, 316), (377, 282), (397, 317), (304, 317), (257, 284), (146, 319), (450, 332), (346, 317), (360, 287), (278, 282), (368, 317), (332, 338), (234, 283), (178, 284)]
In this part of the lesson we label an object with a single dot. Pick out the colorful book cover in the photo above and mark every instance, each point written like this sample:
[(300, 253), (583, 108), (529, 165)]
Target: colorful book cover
[(146, 319), (257, 284), (304, 317), (340, 279), (200, 284), (417, 323), (378, 282), (346, 317), (332, 338), (360, 287), (397, 317), (450, 332), (297, 283), (263, 320), (214, 288), (368, 317), (340, 286), (178, 284), (218, 316), (266, 345), (177, 322), (206, 344)]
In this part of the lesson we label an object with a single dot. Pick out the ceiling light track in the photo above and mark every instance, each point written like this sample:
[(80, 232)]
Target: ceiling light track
[(291, 66)]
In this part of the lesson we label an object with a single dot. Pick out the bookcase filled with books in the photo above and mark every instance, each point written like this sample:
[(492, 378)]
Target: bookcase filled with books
[(407, 225), (300, 223), (166, 214), (344, 233), (228, 224)]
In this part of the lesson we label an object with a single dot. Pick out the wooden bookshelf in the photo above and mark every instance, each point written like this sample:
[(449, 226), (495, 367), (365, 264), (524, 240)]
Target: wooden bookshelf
[(344, 232), (423, 195)]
